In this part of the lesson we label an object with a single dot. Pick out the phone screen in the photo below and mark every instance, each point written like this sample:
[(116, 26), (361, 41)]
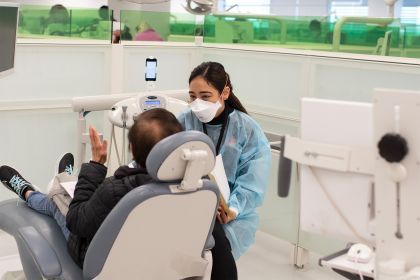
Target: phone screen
[(151, 65)]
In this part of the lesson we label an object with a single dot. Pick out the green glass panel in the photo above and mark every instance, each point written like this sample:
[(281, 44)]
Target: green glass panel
[(356, 35), (184, 28), (91, 23), (61, 22), (33, 20), (375, 37), (158, 26), (411, 45)]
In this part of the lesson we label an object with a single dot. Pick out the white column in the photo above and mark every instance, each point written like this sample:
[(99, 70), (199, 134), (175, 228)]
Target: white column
[(299, 7), (283, 7), (378, 8), (313, 8)]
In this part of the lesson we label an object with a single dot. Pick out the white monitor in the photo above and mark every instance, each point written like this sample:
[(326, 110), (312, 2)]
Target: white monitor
[(333, 202), (9, 14)]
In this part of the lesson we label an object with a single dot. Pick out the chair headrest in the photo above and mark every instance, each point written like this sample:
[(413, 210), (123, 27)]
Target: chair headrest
[(165, 162)]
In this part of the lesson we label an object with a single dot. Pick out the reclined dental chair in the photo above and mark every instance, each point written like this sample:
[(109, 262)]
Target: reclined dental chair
[(157, 231)]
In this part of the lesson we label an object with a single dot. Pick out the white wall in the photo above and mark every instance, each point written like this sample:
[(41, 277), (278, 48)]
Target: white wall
[(35, 111), (174, 66)]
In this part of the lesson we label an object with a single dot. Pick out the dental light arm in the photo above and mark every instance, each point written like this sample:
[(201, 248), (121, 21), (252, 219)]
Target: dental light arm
[(136, 105), (123, 109), (98, 102)]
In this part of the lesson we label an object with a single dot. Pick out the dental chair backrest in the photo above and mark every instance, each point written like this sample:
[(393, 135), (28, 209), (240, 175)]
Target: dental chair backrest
[(158, 231)]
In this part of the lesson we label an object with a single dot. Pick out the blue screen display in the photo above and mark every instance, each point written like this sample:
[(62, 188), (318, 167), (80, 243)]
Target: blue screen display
[(152, 102)]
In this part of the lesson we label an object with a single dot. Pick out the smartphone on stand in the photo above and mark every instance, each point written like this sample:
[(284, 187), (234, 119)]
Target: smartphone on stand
[(151, 69), (150, 73)]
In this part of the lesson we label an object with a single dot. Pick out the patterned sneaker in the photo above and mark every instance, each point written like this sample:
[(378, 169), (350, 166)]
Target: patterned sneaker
[(14, 181), (66, 164)]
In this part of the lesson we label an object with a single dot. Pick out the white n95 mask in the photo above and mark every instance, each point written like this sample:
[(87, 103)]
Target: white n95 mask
[(205, 110)]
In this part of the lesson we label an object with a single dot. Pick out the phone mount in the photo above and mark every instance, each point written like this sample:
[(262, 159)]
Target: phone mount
[(150, 85)]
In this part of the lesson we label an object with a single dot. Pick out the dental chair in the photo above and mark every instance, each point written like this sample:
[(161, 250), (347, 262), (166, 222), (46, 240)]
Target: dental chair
[(157, 231)]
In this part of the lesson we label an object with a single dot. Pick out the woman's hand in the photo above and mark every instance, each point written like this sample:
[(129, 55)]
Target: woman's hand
[(99, 148), (225, 217)]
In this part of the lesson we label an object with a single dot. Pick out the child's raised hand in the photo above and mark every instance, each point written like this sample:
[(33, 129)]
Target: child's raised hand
[(99, 148)]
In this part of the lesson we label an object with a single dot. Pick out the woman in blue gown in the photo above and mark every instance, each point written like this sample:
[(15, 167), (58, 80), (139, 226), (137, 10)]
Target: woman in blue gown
[(245, 151)]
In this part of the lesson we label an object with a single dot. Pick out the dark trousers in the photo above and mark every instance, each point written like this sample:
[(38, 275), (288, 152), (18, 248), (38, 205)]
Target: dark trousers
[(224, 266)]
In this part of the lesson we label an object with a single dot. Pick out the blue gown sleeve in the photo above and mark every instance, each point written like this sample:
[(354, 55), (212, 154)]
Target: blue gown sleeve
[(181, 119), (252, 172)]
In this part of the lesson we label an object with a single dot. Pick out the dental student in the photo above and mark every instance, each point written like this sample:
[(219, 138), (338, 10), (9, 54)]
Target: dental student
[(245, 151)]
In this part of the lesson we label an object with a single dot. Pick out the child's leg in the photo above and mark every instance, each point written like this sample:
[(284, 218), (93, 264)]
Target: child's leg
[(42, 204), (12, 180)]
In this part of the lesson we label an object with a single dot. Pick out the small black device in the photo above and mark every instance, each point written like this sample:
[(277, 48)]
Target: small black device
[(9, 18), (151, 69), (393, 147)]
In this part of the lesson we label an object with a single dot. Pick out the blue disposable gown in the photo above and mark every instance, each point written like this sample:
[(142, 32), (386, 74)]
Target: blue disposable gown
[(247, 159)]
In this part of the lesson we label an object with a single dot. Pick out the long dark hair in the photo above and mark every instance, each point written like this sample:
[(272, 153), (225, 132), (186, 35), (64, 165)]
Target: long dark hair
[(214, 73)]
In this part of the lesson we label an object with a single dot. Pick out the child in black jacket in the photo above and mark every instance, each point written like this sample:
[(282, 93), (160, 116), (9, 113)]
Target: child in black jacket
[(95, 196)]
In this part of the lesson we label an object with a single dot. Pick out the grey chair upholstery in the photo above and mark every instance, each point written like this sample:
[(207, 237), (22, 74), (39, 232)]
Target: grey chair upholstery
[(156, 231), (48, 240)]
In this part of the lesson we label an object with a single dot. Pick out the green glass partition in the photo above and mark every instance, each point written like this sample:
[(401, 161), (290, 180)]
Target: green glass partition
[(158, 26), (411, 42), (244, 29), (183, 28), (61, 22), (89, 24), (267, 30), (364, 35)]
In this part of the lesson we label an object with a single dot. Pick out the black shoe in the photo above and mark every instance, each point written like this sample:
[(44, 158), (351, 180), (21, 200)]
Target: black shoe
[(66, 164), (14, 181)]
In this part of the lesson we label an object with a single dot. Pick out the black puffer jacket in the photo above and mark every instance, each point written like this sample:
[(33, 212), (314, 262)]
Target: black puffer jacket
[(94, 198)]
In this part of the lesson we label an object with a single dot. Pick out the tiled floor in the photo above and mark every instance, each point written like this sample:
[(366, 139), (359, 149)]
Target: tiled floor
[(267, 259), (9, 258), (9, 263)]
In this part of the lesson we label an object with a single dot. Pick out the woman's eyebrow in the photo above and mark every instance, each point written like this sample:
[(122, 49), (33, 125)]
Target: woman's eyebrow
[(200, 92)]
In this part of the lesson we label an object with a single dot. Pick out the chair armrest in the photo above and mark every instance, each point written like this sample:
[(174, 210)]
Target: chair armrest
[(209, 242), (41, 252)]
